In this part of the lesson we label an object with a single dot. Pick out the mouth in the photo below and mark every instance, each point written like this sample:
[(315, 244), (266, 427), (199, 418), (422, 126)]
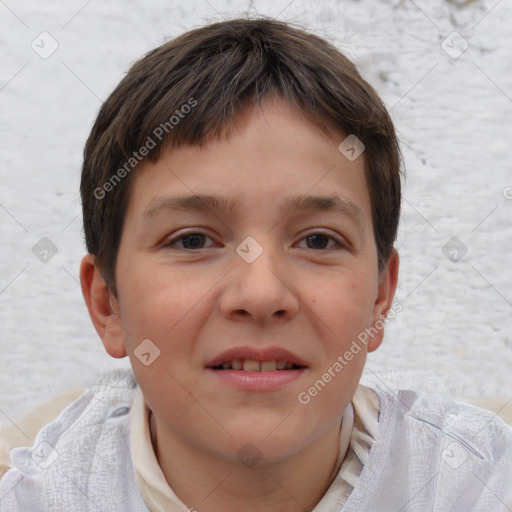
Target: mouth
[(257, 370), (253, 365), (252, 359)]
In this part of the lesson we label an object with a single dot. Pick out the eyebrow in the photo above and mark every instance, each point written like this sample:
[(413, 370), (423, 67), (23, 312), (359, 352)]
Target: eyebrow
[(218, 203)]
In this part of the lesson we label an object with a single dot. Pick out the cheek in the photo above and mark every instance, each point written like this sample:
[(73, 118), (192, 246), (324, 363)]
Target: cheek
[(344, 304), (165, 306), (151, 295), (153, 310)]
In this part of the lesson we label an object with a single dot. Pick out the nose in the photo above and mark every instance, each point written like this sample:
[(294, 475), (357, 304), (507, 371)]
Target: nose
[(261, 292)]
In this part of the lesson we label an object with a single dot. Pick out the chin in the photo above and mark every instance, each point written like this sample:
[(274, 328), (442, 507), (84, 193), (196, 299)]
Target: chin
[(270, 440)]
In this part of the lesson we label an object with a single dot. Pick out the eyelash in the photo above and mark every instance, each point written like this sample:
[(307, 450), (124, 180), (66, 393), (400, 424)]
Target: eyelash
[(171, 243)]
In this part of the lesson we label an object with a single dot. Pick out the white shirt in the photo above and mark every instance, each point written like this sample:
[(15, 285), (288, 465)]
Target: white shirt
[(356, 438), (428, 453)]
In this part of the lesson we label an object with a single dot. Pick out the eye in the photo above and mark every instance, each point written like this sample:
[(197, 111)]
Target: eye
[(319, 240), (190, 241), (196, 240)]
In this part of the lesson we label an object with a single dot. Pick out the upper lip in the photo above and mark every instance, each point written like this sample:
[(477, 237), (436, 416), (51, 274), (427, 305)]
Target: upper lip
[(256, 354)]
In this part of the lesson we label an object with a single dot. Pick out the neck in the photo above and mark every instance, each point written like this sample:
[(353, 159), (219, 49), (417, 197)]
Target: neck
[(209, 484)]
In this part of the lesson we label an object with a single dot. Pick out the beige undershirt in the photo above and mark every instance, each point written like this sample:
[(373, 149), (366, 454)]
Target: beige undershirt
[(358, 431)]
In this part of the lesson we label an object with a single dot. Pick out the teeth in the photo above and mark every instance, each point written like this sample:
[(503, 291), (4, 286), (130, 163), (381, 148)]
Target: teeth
[(237, 364), (281, 364), (268, 366), (251, 365)]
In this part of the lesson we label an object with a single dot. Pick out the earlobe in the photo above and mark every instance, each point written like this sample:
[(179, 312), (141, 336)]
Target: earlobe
[(103, 308), (388, 279)]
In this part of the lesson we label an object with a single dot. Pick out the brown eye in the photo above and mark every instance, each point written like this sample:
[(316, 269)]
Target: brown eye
[(318, 241), (194, 241), (189, 241)]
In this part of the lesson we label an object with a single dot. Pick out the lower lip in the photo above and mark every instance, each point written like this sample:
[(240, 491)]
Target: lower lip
[(258, 381)]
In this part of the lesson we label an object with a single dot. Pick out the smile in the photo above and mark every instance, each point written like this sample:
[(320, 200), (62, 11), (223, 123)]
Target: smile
[(256, 368), (252, 365)]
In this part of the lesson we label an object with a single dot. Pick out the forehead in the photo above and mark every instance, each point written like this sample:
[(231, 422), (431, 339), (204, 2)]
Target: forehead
[(273, 156)]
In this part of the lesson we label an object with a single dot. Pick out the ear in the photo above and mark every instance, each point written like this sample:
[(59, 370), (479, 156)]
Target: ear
[(103, 308), (388, 279)]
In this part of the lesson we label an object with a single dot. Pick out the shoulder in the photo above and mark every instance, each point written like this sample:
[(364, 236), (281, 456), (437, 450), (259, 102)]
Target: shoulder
[(443, 414), (88, 442), (478, 430), (456, 451)]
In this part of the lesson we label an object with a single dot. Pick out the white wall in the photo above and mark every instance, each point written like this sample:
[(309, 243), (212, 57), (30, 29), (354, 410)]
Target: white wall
[(453, 116)]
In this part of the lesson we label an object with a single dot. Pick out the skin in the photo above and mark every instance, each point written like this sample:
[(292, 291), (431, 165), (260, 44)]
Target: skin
[(194, 305)]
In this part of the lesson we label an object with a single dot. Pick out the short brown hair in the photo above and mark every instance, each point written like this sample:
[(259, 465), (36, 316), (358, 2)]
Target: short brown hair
[(214, 71)]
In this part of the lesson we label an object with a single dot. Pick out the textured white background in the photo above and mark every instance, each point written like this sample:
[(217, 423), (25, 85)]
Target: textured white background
[(453, 117)]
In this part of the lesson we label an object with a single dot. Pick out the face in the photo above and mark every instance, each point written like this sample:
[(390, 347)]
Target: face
[(253, 280)]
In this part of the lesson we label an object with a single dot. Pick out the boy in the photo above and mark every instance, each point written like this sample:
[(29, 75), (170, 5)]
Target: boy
[(210, 176)]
